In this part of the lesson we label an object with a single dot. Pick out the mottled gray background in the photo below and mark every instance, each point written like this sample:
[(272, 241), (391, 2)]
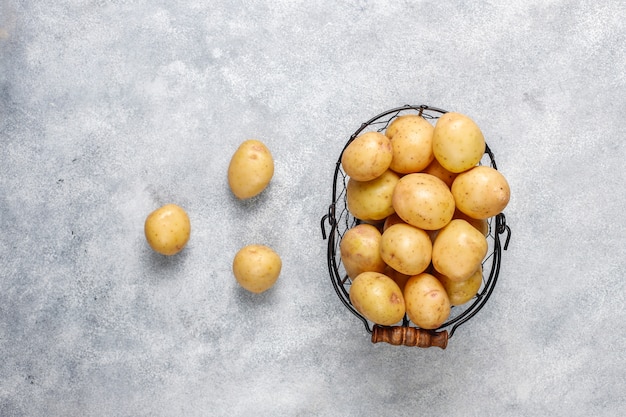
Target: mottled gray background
[(109, 109)]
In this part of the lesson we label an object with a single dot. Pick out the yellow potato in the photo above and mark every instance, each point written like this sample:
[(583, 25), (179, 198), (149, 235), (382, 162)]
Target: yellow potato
[(406, 249), (458, 250), (403, 122), (460, 292), (435, 168), (426, 300), (360, 250), (481, 192), (251, 169), (423, 201), (458, 143), (398, 277), (256, 268), (391, 220), (367, 156), (412, 146), (371, 200), (378, 298), (167, 229)]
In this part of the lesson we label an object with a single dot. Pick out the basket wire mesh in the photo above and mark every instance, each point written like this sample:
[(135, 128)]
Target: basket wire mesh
[(341, 220)]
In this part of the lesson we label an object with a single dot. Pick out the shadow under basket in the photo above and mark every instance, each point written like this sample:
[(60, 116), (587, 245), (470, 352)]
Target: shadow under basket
[(340, 220)]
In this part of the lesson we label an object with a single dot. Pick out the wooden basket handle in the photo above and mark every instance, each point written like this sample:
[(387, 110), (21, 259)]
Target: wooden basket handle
[(409, 336)]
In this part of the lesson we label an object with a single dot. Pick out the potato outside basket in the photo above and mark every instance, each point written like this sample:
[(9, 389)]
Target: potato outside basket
[(341, 220)]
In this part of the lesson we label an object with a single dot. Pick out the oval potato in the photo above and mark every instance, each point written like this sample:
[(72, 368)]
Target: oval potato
[(423, 201), (458, 250), (481, 192), (458, 143), (167, 229), (360, 250), (412, 146), (256, 268), (377, 298), (367, 156), (426, 300), (460, 292), (251, 169), (406, 249), (435, 168), (372, 200)]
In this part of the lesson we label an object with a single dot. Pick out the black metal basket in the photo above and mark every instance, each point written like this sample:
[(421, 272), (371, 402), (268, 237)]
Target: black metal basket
[(340, 220)]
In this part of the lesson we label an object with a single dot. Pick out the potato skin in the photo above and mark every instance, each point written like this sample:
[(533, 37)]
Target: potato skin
[(458, 250), (423, 201), (412, 145), (251, 169), (360, 250), (367, 156), (458, 143), (460, 292), (256, 268), (167, 229), (406, 249), (427, 302), (377, 298), (372, 200), (481, 192)]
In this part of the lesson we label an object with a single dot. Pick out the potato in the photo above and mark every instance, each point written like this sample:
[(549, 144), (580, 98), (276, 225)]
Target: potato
[(371, 200), (403, 122), (458, 250), (482, 225), (435, 168), (481, 192), (458, 143), (167, 229), (406, 249), (398, 277), (423, 201), (426, 300), (256, 268), (367, 156), (377, 298), (360, 250), (460, 292), (251, 169), (391, 220), (412, 146)]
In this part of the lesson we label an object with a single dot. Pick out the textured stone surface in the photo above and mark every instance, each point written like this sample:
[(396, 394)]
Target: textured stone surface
[(109, 109)]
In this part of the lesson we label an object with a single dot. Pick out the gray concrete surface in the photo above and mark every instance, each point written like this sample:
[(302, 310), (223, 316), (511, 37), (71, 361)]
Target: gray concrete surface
[(109, 109)]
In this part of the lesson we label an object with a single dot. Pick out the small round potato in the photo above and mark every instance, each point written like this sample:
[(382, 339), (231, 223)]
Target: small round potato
[(458, 250), (256, 268), (360, 250), (403, 122), (398, 277), (427, 302), (460, 292), (251, 169), (406, 249), (435, 168), (423, 201), (412, 145), (458, 143), (378, 298), (482, 225), (167, 229), (481, 192), (367, 156), (372, 200)]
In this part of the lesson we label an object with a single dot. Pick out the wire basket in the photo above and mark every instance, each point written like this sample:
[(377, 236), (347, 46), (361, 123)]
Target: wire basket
[(341, 220)]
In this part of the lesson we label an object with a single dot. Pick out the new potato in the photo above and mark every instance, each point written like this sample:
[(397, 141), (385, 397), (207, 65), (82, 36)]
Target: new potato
[(167, 229), (412, 145), (426, 300), (377, 298), (367, 156), (458, 143), (458, 250), (256, 268), (360, 250), (406, 249), (460, 292), (481, 192), (372, 200), (423, 201), (250, 170)]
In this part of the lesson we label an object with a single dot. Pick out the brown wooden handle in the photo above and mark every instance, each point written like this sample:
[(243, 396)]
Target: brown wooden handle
[(409, 336)]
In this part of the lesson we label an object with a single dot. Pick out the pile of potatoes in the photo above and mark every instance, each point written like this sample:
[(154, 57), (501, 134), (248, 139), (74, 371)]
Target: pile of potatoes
[(423, 200)]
